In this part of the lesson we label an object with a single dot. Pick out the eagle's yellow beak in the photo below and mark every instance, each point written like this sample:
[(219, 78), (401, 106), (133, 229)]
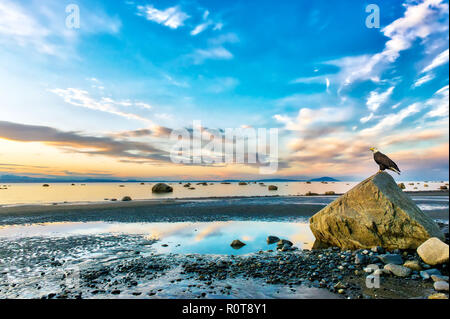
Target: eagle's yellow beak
[(371, 149)]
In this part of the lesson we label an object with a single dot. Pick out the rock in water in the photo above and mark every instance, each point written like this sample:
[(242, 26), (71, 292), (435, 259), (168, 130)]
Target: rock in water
[(272, 239), (162, 188), (236, 244), (374, 213), (433, 252)]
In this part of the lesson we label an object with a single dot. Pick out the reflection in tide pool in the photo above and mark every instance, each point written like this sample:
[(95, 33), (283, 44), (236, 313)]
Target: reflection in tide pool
[(184, 238)]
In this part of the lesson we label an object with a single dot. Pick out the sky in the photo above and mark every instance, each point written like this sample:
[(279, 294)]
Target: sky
[(100, 99)]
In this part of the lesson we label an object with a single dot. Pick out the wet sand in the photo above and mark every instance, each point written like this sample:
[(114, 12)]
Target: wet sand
[(176, 210), (131, 266)]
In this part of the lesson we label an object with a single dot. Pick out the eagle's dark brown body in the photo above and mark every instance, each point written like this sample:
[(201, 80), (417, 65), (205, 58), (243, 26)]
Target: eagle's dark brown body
[(385, 162)]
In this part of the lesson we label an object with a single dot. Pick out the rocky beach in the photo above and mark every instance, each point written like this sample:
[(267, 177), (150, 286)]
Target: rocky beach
[(111, 250)]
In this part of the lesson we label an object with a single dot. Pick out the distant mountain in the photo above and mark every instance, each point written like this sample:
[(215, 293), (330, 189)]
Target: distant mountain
[(27, 179), (324, 179)]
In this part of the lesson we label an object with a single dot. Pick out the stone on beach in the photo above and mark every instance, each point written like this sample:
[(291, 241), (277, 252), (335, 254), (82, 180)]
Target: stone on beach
[(162, 188), (376, 212), (439, 278), (433, 251), (440, 286), (273, 188), (438, 296), (395, 259), (426, 274), (398, 270), (126, 199), (284, 242), (413, 265)]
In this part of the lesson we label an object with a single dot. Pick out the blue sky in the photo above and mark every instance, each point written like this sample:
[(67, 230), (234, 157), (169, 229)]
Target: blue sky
[(313, 69)]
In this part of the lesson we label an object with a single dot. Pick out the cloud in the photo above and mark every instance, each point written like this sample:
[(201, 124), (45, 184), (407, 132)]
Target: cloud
[(439, 103), (220, 85), (202, 26), (376, 99), (437, 61), (366, 118), (78, 143), (82, 98), (17, 25), (308, 118), (216, 49), (422, 80), (172, 17), (41, 27), (414, 137), (218, 53), (419, 21), (391, 120)]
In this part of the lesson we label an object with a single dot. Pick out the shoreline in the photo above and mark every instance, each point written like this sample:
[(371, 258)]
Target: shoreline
[(205, 209), (37, 207)]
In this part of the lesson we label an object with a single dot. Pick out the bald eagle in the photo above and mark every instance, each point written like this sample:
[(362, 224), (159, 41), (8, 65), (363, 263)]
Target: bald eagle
[(384, 162)]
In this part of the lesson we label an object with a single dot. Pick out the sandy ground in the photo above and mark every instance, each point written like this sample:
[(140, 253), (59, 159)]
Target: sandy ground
[(172, 210)]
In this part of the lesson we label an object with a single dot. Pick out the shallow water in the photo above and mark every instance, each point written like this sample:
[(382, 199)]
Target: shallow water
[(184, 238), (33, 193)]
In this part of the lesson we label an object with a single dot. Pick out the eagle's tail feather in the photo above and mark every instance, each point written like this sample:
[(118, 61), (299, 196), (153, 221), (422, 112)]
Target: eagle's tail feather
[(395, 170)]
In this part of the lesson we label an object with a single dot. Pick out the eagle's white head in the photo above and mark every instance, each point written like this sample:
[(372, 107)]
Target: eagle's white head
[(373, 149)]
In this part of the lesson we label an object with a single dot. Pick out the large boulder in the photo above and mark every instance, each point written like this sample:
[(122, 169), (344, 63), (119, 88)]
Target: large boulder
[(376, 212), (433, 252), (162, 188)]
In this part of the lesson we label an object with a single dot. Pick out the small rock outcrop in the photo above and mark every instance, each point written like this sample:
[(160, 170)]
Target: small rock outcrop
[(272, 239), (162, 188), (273, 188), (433, 251), (237, 244), (376, 212)]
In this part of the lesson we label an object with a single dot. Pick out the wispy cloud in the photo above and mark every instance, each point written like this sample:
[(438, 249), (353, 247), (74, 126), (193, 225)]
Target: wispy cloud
[(43, 29), (422, 80), (376, 99), (80, 143), (219, 53), (441, 59), (172, 17), (419, 22), (81, 98), (391, 120), (439, 103)]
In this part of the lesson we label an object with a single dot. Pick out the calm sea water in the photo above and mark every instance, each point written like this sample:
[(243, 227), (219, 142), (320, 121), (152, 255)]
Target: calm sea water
[(16, 194), (184, 237)]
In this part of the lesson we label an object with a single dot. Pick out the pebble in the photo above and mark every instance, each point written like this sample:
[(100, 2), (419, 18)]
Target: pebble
[(395, 259), (426, 274), (440, 286), (437, 278), (413, 265), (438, 296), (398, 270)]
